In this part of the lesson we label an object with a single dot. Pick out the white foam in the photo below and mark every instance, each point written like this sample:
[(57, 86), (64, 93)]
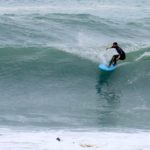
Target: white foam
[(66, 7), (90, 44), (145, 54), (40, 140)]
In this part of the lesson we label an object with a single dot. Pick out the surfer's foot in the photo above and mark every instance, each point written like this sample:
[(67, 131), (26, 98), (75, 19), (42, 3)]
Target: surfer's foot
[(111, 65), (114, 64)]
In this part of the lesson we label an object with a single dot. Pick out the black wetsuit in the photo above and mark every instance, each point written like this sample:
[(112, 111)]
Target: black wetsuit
[(121, 54)]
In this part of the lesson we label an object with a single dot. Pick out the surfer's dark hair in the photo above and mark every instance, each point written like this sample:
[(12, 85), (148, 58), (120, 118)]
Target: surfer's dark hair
[(115, 43)]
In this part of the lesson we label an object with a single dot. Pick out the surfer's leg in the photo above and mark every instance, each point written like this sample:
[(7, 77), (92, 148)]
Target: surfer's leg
[(110, 62), (122, 57), (113, 60)]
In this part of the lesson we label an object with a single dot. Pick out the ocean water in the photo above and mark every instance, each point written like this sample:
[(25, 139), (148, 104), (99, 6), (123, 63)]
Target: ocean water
[(50, 84)]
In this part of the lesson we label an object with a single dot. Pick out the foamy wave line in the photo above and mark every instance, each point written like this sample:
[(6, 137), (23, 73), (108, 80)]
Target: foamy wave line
[(63, 8), (146, 54), (66, 140)]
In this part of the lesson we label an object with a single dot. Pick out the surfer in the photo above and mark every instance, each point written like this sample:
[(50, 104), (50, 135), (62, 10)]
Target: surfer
[(121, 54)]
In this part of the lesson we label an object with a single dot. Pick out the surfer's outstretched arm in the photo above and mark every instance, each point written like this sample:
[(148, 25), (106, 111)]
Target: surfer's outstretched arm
[(108, 48)]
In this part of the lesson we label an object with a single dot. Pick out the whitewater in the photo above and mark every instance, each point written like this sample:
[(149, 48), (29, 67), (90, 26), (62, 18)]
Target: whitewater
[(50, 84)]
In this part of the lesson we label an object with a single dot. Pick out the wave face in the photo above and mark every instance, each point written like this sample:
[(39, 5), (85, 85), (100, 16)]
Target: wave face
[(49, 54), (45, 87)]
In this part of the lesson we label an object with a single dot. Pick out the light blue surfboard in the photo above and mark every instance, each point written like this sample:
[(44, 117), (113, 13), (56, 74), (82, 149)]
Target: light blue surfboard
[(106, 68)]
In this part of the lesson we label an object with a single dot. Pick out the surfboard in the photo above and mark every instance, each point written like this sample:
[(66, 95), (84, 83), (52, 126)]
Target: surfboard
[(106, 68)]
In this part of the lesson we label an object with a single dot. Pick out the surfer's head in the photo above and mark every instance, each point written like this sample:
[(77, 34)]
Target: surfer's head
[(115, 44)]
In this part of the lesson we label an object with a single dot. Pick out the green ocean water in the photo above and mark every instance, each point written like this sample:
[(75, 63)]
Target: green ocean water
[(49, 57), (45, 87)]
